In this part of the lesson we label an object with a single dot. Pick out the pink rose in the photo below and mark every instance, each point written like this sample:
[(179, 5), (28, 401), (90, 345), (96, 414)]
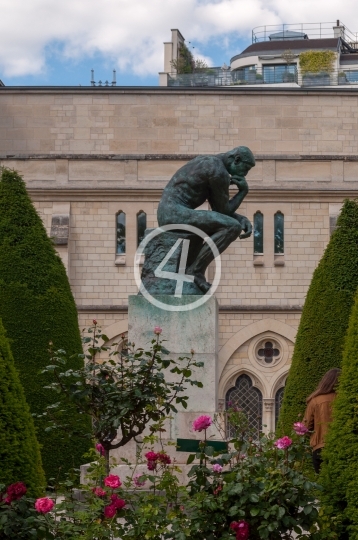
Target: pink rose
[(300, 428), (112, 481), (94, 322), (217, 468), (158, 330), (136, 480), (100, 449), (110, 511), (117, 502), (44, 505), (151, 456), (241, 528), (15, 491), (99, 491), (203, 422), (283, 443)]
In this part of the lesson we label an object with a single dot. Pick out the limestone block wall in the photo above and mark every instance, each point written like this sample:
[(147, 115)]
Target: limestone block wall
[(127, 121)]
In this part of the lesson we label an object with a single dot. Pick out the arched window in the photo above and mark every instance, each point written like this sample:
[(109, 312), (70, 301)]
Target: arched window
[(279, 233), (278, 403), (141, 226), (121, 233), (247, 398), (258, 233)]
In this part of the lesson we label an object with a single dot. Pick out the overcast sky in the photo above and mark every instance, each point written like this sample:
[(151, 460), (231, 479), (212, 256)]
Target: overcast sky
[(54, 42)]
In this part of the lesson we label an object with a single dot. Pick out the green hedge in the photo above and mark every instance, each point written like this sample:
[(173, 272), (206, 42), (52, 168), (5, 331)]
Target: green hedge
[(20, 456), (339, 474), (37, 306), (325, 316)]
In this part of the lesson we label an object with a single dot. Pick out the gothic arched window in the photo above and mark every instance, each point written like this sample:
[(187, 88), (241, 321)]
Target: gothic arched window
[(121, 233), (141, 226), (247, 398), (278, 403), (279, 233), (258, 233)]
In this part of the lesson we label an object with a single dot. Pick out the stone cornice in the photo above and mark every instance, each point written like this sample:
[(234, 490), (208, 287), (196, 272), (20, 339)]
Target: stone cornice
[(222, 309), (173, 90), (171, 157), (266, 194)]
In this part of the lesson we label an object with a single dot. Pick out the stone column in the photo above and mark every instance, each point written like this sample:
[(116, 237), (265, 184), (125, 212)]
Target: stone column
[(267, 416)]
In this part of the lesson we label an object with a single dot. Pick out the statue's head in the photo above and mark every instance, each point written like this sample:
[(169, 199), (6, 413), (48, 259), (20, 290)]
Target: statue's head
[(239, 161)]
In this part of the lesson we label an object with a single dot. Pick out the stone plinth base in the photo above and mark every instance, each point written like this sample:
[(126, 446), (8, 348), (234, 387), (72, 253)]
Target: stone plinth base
[(183, 331)]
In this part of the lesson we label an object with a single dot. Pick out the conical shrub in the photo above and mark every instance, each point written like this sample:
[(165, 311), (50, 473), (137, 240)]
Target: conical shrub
[(339, 475), (36, 306), (20, 456), (325, 316)]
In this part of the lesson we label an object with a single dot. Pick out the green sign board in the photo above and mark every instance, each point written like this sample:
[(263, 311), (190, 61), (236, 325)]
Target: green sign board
[(192, 445)]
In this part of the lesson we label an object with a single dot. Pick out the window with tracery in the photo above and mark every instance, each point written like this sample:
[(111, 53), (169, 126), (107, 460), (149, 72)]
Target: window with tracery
[(279, 233), (278, 403), (258, 233), (121, 233), (141, 226), (268, 352), (246, 397)]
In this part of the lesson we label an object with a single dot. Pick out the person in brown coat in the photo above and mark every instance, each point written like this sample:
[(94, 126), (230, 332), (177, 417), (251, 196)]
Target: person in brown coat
[(318, 413)]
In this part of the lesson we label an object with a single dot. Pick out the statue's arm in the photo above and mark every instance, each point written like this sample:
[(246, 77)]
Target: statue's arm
[(236, 200)]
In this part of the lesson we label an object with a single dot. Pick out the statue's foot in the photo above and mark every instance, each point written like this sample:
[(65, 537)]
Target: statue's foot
[(200, 281)]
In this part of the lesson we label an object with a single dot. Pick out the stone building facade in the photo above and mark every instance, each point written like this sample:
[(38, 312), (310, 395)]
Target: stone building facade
[(89, 154)]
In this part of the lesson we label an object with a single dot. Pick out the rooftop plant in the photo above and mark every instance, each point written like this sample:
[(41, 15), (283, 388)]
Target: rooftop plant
[(317, 61)]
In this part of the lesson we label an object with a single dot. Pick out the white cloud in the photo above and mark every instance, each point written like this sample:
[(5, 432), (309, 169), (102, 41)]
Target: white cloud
[(131, 32)]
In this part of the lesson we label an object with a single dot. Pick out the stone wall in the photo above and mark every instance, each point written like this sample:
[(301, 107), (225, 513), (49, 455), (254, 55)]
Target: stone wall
[(99, 151)]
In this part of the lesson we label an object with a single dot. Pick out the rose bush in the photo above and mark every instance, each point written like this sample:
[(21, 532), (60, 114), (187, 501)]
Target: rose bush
[(258, 489)]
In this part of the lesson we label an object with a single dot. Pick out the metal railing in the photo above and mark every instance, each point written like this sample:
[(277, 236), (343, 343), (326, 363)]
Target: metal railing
[(245, 76), (310, 30), (272, 75), (344, 77)]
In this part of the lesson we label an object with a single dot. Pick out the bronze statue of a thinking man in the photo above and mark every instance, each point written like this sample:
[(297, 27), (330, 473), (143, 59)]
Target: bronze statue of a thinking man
[(207, 178)]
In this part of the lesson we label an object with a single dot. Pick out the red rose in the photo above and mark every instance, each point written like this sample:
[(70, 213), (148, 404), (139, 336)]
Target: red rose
[(110, 511), (15, 491), (117, 502)]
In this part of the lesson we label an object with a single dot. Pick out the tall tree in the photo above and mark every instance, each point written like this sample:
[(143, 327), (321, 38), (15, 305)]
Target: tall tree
[(325, 316), (36, 306), (20, 456), (339, 475)]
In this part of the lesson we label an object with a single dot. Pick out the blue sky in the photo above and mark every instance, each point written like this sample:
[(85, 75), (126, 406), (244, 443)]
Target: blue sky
[(47, 42), (59, 71)]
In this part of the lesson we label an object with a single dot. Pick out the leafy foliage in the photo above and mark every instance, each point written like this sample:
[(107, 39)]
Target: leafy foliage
[(340, 468), (124, 392), (36, 306), (19, 450), (317, 61), (325, 316), (186, 63), (254, 482)]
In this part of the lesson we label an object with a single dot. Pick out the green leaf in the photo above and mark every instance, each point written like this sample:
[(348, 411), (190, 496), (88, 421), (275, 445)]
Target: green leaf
[(254, 497), (255, 511), (190, 459)]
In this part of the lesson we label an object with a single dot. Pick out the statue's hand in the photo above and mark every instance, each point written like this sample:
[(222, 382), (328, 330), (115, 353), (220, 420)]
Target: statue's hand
[(246, 227), (240, 182)]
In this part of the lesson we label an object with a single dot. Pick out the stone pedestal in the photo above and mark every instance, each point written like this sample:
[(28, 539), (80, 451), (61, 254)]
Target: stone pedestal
[(195, 329)]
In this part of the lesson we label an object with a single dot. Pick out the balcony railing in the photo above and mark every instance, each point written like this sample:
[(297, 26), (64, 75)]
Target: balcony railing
[(320, 30), (267, 75), (245, 76)]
